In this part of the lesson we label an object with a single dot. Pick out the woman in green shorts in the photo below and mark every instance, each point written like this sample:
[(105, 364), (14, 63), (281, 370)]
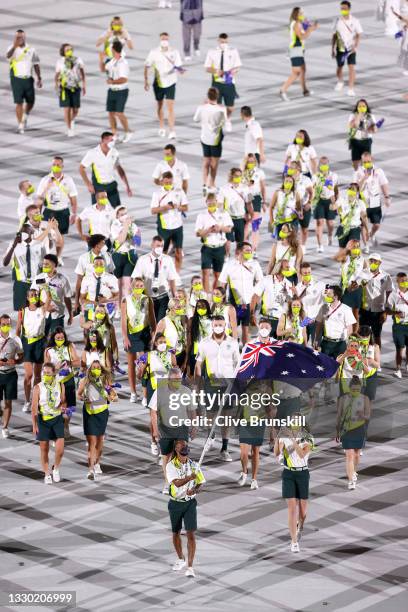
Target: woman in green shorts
[(125, 237), (293, 447), (198, 328), (254, 178), (48, 424)]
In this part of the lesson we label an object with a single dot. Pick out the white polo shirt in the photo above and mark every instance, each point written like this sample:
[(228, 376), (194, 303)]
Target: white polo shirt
[(347, 208), (231, 61), (103, 166), (212, 118), (118, 69), (234, 199), (336, 319), (23, 60), (311, 296), (57, 196), (205, 220), (375, 291), (171, 219), (60, 289), (274, 295), (144, 268), (163, 61), (222, 359), (371, 183), (243, 280), (303, 155), (85, 263), (179, 171), (19, 260), (398, 301), (253, 131), (109, 286), (347, 29), (99, 221), (253, 179)]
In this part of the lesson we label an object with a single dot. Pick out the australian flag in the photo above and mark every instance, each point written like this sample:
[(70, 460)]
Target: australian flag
[(293, 363)]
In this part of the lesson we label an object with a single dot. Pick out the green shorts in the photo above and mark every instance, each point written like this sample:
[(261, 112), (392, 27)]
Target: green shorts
[(374, 214), (8, 385), (333, 348), (20, 290), (212, 150), (305, 222), (62, 216), (139, 342), (111, 191), (322, 210), (70, 97), (164, 92), (237, 234), (212, 258), (257, 203), (354, 234), (116, 100), (34, 352), (171, 235), (123, 265), (183, 512), (226, 93), (400, 335), (295, 484), (70, 392), (342, 56), (358, 147), (51, 429), (353, 298), (95, 424), (23, 89)]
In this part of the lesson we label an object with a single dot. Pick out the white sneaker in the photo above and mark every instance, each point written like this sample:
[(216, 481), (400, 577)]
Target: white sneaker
[(172, 135), (20, 128), (162, 133), (144, 402), (339, 86), (25, 119), (355, 476), (162, 3), (48, 479), (225, 456), (5, 432), (160, 460), (351, 92), (351, 485), (254, 484), (60, 261), (187, 58), (56, 476), (397, 374), (70, 132), (27, 407), (242, 479), (379, 369), (91, 475), (190, 573), (294, 547), (165, 489), (154, 449), (133, 398), (97, 468), (197, 53), (127, 136), (179, 564), (320, 248), (228, 125), (366, 249), (283, 96)]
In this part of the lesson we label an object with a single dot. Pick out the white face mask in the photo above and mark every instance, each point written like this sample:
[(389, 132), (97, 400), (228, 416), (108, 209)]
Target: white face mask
[(218, 329), (223, 46), (161, 347), (158, 251), (111, 144), (264, 332), (164, 44)]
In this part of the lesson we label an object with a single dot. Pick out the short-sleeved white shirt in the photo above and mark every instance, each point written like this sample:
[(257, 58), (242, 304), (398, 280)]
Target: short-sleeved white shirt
[(221, 359), (25, 59), (205, 220), (171, 219), (179, 171), (99, 221), (57, 196), (372, 185), (347, 29), (336, 319), (163, 62), (231, 61), (212, 118), (103, 166), (118, 69), (253, 132), (109, 286), (303, 155)]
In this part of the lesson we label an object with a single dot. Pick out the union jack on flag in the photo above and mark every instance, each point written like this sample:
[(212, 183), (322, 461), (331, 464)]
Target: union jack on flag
[(252, 351)]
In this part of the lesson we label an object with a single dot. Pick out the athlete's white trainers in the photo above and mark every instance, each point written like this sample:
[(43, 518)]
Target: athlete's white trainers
[(154, 449), (97, 468), (20, 128), (339, 86), (172, 135), (254, 484), (320, 248), (56, 476), (190, 573), (48, 479), (225, 456), (165, 489), (127, 136), (5, 432), (187, 58), (228, 125), (133, 398), (397, 374), (27, 407), (355, 476), (294, 547), (351, 92), (197, 53), (351, 485), (162, 133), (242, 479), (91, 475), (283, 96), (179, 564), (144, 402)]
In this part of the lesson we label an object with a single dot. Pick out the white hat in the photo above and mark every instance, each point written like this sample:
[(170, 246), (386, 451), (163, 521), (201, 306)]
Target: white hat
[(375, 256)]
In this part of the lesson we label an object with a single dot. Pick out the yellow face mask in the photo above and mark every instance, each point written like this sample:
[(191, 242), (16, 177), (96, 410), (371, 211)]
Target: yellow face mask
[(197, 286), (99, 269), (138, 290), (30, 190), (236, 180), (103, 201), (351, 193), (287, 273), (307, 277), (251, 165), (168, 187), (217, 299), (56, 169), (179, 311), (211, 209), (247, 256), (116, 27), (48, 378), (328, 299), (355, 252), (5, 329), (296, 310), (33, 300), (37, 217), (291, 172), (69, 53), (202, 311), (96, 372), (100, 316), (374, 266), (299, 140), (59, 342)]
